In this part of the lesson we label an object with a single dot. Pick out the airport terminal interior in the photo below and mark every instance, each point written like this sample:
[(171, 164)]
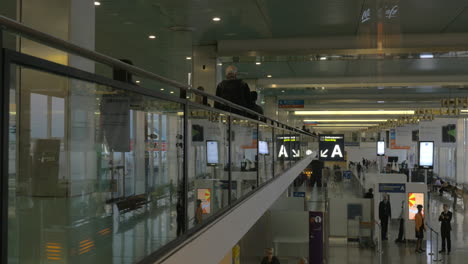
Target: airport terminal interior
[(233, 132)]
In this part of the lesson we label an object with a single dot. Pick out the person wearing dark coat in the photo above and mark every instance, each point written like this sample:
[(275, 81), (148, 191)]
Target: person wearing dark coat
[(234, 90), (369, 194), (385, 213), (445, 227)]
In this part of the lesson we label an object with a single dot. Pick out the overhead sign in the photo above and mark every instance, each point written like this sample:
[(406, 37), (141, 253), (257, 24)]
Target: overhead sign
[(426, 154), (288, 147), (331, 147), (291, 103), (392, 187)]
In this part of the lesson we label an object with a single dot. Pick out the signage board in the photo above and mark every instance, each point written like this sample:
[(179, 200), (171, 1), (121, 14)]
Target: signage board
[(331, 147), (414, 199), (212, 152), (381, 148), (316, 237), (426, 154), (291, 103), (298, 194), (288, 147), (392, 187), (205, 196)]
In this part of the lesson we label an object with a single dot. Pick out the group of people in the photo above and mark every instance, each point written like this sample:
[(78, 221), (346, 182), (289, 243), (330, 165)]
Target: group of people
[(385, 213)]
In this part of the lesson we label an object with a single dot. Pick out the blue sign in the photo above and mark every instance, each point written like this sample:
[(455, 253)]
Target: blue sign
[(298, 194), (291, 103), (347, 175), (392, 187)]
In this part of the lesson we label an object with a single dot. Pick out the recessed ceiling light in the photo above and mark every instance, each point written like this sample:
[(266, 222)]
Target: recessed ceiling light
[(269, 76), (96, 3), (220, 64), (282, 91), (380, 102), (188, 58), (162, 89), (152, 36), (216, 19), (273, 85), (323, 88), (258, 63), (323, 58), (172, 92), (137, 81)]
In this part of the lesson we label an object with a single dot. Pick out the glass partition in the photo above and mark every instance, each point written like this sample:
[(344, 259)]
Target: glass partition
[(102, 174), (265, 153), (244, 154), (94, 171), (208, 164)]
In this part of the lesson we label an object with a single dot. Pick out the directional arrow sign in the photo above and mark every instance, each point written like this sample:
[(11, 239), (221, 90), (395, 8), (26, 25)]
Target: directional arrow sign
[(323, 153), (331, 147)]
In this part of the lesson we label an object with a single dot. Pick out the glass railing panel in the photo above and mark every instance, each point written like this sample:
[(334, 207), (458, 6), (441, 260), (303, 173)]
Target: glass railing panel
[(244, 153), (265, 153), (208, 164), (94, 172)]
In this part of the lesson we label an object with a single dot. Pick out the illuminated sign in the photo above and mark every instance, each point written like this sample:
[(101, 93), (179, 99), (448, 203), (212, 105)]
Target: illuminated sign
[(426, 154), (380, 148), (414, 199), (289, 147), (331, 147), (205, 196)]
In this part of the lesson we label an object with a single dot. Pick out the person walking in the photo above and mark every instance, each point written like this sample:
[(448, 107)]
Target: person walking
[(420, 228), (385, 213), (199, 212), (234, 90), (269, 258), (445, 227)]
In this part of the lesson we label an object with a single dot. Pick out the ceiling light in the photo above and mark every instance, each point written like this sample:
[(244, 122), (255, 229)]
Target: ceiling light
[(345, 125), (323, 58), (282, 91), (220, 64), (384, 112), (269, 76), (426, 56), (152, 36), (188, 58), (137, 81), (464, 111), (162, 89), (172, 92), (273, 86), (346, 120), (258, 63), (323, 88), (216, 19), (96, 3), (380, 102)]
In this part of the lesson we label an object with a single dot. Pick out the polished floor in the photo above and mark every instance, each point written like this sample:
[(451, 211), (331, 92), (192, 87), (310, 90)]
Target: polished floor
[(343, 252)]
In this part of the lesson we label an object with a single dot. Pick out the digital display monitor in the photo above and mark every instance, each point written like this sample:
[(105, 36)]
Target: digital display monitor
[(381, 148), (212, 153), (414, 199), (263, 148), (426, 154), (205, 196)]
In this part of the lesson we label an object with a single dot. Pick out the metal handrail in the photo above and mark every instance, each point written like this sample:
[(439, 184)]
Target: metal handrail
[(436, 259), (63, 45)]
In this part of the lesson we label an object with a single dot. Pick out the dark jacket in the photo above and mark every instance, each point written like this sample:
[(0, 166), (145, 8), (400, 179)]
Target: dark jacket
[(236, 91), (385, 209), (274, 260), (445, 219), (257, 108), (369, 195)]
